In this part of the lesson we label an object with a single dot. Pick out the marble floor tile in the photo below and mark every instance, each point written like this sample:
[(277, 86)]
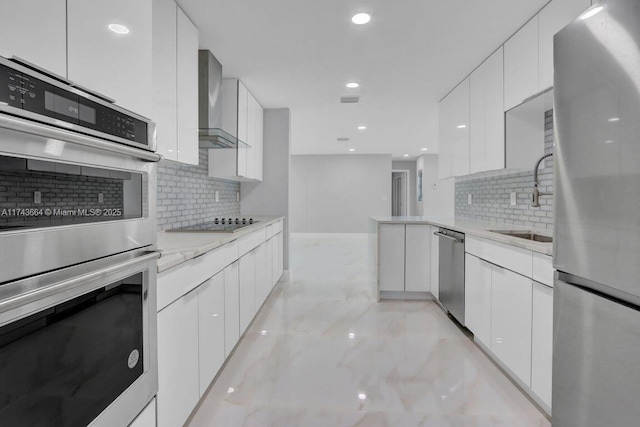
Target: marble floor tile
[(323, 352)]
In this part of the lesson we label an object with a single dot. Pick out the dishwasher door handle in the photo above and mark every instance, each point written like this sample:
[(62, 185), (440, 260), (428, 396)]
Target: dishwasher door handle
[(437, 233)]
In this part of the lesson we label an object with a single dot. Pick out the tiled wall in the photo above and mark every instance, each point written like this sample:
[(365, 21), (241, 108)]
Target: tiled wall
[(186, 194), (491, 194)]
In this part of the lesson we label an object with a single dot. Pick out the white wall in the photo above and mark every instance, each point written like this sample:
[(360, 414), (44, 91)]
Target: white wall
[(338, 193), (409, 165), (271, 196), (438, 197)]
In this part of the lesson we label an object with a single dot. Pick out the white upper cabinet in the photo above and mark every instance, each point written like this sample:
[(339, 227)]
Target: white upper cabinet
[(187, 90), (521, 65), (486, 139), (454, 133), (45, 44), (165, 109), (116, 65), (555, 16), (252, 107), (259, 141)]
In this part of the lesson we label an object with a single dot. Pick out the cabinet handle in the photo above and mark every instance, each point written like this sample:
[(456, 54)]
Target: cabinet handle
[(437, 233)]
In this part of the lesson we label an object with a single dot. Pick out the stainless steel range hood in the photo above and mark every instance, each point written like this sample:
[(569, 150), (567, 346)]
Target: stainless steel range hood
[(210, 104)]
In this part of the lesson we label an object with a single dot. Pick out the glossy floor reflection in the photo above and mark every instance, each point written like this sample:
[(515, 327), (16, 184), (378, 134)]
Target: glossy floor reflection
[(322, 352)]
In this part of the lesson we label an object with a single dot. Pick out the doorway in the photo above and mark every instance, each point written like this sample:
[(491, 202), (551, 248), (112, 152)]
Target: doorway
[(399, 192)]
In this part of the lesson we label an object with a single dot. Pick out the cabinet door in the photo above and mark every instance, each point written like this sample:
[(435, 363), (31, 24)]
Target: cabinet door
[(263, 284), (247, 289), (45, 44), (280, 252), (418, 258), (542, 342), (259, 141), (251, 136), (146, 418), (391, 257), (486, 144), (511, 321), (275, 257), (477, 298), (269, 275), (165, 77), (242, 114), (435, 265), (211, 329), (555, 16), (187, 86), (116, 65), (456, 128), (178, 378), (445, 142), (231, 307), (521, 65)]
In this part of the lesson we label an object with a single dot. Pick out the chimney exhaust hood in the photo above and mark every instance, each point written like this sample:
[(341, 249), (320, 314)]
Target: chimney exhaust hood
[(210, 104)]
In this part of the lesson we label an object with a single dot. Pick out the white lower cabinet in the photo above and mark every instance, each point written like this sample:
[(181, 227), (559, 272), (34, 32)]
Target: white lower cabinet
[(211, 328), (391, 257), (511, 301), (178, 377), (435, 264), (542, 342), (477, 296), (404, 257), (146, 418), (417, 258), (247, 289), (231, 307), (280, 253), (263, 282)]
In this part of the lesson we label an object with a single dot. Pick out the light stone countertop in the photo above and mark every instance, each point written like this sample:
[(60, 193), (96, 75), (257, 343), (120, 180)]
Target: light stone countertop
[(476, 228), (179, 247)]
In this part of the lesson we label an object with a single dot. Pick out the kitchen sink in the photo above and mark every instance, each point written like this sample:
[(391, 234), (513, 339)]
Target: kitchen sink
[(524, 234)]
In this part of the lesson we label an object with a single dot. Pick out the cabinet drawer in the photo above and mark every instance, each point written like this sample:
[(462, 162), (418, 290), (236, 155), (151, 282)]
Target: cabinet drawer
[(271, 231), (509, 257), (252, 241), (279, 226), (181, 279), (543, 269)]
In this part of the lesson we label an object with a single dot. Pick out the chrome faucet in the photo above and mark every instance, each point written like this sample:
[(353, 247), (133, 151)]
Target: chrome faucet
[(535, 196)]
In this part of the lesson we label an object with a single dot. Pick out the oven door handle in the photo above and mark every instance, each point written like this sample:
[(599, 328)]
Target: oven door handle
[(18, 124), (40, 293)]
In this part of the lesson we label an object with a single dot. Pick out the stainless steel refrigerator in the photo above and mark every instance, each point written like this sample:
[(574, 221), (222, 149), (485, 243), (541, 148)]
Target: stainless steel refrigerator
[(596, 355)]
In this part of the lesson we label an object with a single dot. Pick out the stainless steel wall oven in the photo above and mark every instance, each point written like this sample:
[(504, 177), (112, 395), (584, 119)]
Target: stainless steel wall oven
[(78, 245)]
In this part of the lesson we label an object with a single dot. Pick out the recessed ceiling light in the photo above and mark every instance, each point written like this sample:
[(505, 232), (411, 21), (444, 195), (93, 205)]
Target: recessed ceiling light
[(362, 127), (118, 29), (361, 18), (614, 119), (352, 335), (362, 396), (352, 85), (424, 149), (352, 149), (461, 126), (405, 155), (589, 13), (609, 141), (263, 333)]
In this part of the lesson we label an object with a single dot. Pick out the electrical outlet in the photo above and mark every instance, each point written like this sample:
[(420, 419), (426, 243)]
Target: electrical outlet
[(217, 196), (513, 198), (37, 197), (469, 199), (100, 197)]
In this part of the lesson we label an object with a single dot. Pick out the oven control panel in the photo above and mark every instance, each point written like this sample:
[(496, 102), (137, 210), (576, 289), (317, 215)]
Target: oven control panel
[(23, 91)]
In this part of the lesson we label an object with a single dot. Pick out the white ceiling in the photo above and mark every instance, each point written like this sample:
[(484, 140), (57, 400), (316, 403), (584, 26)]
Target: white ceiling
[(300, 54)]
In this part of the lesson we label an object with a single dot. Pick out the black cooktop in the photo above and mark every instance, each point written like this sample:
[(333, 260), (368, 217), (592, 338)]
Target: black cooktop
[(221, 225)]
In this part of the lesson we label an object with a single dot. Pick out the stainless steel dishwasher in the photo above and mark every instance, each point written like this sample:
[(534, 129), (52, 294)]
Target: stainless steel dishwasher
[(451, 271)]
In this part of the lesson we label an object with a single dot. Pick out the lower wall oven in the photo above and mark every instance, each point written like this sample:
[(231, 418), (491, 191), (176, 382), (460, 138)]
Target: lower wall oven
[(78, 345)]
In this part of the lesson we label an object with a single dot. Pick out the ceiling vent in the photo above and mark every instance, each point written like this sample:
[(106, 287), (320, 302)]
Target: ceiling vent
[(349, 99), (343, 139)]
